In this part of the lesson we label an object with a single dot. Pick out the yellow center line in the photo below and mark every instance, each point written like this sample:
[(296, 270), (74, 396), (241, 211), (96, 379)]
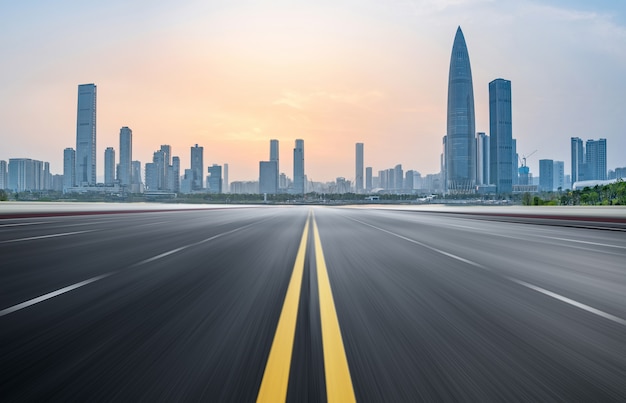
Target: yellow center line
[(276, 376), (338, 380)]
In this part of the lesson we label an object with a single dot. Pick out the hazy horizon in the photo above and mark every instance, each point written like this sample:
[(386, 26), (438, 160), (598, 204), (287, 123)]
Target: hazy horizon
[(230, 76)]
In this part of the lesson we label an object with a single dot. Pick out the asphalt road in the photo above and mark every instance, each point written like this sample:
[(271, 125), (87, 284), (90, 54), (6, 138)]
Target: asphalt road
[(310, 304)]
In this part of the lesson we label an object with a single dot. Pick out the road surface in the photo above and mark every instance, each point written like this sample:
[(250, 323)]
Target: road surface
[(311, 304)]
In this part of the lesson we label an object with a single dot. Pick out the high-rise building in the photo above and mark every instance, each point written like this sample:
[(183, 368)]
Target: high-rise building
[(175, 174), (500, 136), (167, 163), (595, 158), (398, 174), (358, 176), (197, 167), (225, 184), (86, 136), (460, 150), (515, 158), (546, 175), (578, 158), (69, 166), (559, 175), (268, 179), (25, 174), (214, 181), (482, 159), (159, 160), (274, 154), (152, 176), (109, 166), (135, 179), (4, 175), (368, 179), (298, 167), (126, 156)]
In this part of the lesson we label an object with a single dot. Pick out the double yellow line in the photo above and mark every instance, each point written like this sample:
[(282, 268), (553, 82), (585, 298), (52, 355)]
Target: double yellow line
[(276, 376)]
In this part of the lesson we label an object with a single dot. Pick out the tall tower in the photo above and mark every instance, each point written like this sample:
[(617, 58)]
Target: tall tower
[(501, 135), (69, 168), (126, 156), (109, 166), (358, 176), (274, 157), (298, 167), (86, 136), (578, 154), (197, 167), (460, 157), (595, 157)]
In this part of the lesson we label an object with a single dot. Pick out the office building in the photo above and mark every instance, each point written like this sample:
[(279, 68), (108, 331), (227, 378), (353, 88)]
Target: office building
[(126, 157), (460, 160), (368, 179), (298, 168), (69, 166), (559, 175), (546, 175), (225, 183), (86, 136), (197, 167), (4, 175), (109, 166), (358, 176), (25, 175), (482, 159), (135, 179), (595, 158), (214, 180), (500, 136), (268, 177), (577, 158), (175, 177)]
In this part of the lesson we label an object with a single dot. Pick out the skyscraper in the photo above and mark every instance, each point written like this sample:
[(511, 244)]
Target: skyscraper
[(559, 175), (214, 181), (298, 167), (4, 179), (126, 156), (595, 158), (135, 179), (358, 176), (268, 181), (197, 167), (176, 174), (86, 136), (482, 159), (501, 135), (460, 160), (109, 166), (578, 154), (368, 179), (225, 183), (546, 175), (69, 167), (274, 156)]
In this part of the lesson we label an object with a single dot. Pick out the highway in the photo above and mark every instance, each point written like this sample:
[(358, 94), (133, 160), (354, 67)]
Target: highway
[(311, 303)]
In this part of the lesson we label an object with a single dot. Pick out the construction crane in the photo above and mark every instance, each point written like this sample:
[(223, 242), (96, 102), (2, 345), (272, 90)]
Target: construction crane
[(524, 157)]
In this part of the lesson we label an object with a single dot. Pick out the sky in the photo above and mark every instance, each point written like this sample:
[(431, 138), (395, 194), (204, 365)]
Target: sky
[(231, 75)]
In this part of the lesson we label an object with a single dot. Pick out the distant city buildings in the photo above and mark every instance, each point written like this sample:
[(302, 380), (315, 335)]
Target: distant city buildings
[(214, 180), (124, 172), (109, 166), (4, 178), (197, 167), (25, 174)]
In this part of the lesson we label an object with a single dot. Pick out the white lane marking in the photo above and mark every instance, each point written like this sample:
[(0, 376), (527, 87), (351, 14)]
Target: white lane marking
[(584, 242), (570, 301), (51, 295), (171, 252), (554, 295), (21, 224), (32, 238)]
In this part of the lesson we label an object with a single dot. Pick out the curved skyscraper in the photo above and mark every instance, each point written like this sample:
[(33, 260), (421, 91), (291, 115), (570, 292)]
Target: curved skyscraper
[(460, 156)]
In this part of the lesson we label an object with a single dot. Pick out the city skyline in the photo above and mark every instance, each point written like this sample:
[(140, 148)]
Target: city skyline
[(380, 81)]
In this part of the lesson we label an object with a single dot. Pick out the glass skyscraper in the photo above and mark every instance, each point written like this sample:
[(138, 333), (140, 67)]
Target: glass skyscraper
[(501, 136), (298, 167), (126, 156), (86, 136), (358, 177), (460, 156)]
